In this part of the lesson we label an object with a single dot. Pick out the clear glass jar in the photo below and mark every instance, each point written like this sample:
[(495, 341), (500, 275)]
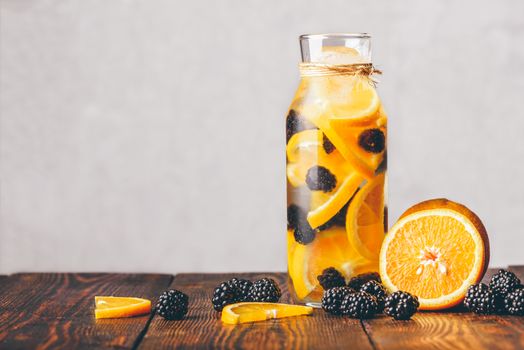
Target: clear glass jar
[(336, 133)]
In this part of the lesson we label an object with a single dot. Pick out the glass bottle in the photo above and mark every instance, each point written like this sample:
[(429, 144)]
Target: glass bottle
[(336, 133)]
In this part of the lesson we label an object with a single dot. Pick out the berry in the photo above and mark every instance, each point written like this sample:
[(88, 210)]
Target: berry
[(372, 140), (265, 290), (377, 290), (330, 278), (242, 288), (359, 305), (401, 305), (358, 281), (304, 233), (319, 178), (294, 214), (295, 123), (332, 299), (481, 299), (226, 293), (172, 305), (327, 145), (504, 282), (514, 302)]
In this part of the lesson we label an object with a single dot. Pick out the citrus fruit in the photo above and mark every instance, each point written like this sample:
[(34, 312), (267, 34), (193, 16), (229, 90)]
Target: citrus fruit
[(436, 250), (365, 218), (329, 249), (318, 113), (334, 202), (116, 307), (304, 150), (252, 312)]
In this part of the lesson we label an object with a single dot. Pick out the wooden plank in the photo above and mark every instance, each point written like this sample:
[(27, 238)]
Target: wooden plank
[(456, 329), (44, 311), (203, 329)]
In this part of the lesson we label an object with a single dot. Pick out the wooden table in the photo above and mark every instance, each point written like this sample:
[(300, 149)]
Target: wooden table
[(55, 310)]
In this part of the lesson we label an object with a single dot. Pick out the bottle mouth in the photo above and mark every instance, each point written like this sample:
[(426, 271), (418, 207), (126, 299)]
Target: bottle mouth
[(335, 36)]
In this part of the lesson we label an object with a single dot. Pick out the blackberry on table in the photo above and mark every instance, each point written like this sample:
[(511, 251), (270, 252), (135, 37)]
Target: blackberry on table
[(504, 282), (295, 123), (327, 145), (514, 302), (331, 278), (481, 300), (333, 297), (226, 293), (319, 178), (377, 290), (372, 140), (359, 280), (265, 290), (172, 305), (401, 305), (359, 305), (242, 288)]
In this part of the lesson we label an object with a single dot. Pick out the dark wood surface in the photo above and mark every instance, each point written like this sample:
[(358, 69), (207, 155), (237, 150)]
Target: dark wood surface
[(49, 311)]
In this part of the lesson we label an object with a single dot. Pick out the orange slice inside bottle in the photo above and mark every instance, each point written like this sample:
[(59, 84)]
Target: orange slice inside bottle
[(365, 218), (116, 307), (329, 249)]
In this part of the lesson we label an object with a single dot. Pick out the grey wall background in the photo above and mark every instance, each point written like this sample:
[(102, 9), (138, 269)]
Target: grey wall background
[(148, 135)]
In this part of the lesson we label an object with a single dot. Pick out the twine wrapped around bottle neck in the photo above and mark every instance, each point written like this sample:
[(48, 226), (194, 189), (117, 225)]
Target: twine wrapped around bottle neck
[(323, 69)]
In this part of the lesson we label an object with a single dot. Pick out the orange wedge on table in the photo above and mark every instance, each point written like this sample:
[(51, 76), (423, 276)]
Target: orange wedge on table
[(116, 307), (365, 218), (436, 250), (252, 312), (329, 249)]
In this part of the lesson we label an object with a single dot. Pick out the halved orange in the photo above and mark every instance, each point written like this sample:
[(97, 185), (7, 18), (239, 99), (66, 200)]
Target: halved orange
[(329, 249), (252, 312), (116, 307), (365, 218), (436, 250)]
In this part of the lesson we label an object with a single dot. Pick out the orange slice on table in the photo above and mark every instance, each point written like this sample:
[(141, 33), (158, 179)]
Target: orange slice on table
[(436, 250), (252, 312), (329, 249), (116, 307), (365, 218)]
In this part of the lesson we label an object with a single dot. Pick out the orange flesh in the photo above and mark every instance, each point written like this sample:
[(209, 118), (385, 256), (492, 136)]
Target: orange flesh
[(457, 254)]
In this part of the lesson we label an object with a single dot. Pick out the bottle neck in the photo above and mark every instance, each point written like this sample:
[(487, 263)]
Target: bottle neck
[(336, 48)]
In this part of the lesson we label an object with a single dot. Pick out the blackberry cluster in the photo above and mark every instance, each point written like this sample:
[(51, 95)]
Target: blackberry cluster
[(331, 278), (372, 140), (172, 305), (319, 178), (502, 295), (264, 290), (401, 305), (359, 280), (332, 299), (359, 305), (514, 302), (378, 291), (295, 123), (297, 221)]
